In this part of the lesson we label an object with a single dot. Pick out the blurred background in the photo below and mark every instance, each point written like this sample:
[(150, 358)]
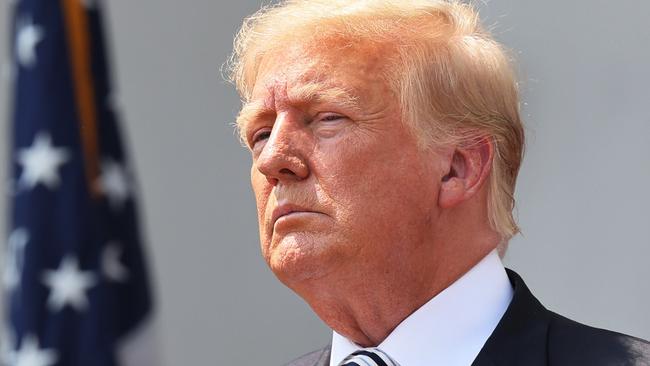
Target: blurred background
[(583, 194)]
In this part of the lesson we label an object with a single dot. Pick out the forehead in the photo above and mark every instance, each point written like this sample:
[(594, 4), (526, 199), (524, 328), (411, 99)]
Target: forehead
[(354, 67), (347, 74)]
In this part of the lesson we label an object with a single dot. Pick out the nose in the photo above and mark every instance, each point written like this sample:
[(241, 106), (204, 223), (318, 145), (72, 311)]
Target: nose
[(283, 157)]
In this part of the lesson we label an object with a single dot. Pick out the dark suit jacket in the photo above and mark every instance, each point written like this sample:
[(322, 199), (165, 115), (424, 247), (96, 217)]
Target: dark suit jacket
[(530, 335)]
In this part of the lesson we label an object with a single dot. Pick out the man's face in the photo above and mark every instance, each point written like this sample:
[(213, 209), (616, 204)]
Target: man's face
[(341, 188)]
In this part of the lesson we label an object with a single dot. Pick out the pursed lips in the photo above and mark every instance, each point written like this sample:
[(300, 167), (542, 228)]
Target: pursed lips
[(286, 209)]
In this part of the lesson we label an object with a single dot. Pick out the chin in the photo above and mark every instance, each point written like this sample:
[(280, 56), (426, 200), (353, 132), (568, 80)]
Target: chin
[(297, 258)]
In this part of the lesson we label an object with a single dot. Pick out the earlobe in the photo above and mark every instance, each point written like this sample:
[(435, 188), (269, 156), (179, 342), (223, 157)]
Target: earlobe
[(451, 187), (451, 192)]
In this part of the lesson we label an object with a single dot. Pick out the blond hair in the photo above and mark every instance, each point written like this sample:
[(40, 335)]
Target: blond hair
[(454, 82)]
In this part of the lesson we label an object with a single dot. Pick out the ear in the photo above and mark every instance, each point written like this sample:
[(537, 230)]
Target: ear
[(468, 170)]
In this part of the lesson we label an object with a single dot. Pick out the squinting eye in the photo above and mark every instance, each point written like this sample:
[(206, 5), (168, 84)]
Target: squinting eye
[(261, 135), (331, 117)]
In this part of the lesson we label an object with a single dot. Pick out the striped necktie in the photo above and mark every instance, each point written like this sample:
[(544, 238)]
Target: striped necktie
[(368, 357)]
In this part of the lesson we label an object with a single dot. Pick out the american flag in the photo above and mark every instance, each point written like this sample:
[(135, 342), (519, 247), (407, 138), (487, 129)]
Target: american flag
[(75, 278)]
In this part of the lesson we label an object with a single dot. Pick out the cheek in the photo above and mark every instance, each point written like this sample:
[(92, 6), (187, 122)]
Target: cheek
[(374, 170), (262, 191), (379, 190)]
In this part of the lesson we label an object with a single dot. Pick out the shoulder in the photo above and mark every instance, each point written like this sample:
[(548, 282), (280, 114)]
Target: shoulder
[(529, 334), (316, 358), (573, 343)]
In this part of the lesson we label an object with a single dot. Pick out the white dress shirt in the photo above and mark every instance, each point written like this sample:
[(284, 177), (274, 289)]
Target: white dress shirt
[(452, 327)]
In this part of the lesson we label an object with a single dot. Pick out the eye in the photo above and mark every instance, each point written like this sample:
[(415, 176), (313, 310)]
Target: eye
[(260, 135), (329, 124), (331, 117)]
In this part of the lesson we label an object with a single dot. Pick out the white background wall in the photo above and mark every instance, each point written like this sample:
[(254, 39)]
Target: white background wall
[(583, 193)]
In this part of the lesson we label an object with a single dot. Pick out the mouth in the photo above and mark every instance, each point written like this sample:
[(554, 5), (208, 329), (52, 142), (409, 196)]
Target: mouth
[(286, 210)]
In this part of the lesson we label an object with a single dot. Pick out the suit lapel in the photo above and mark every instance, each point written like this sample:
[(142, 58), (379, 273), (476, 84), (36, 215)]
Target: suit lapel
[(520, 338)]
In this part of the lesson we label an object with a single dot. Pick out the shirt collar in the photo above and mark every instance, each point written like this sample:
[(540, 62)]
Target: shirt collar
[(451, 328)]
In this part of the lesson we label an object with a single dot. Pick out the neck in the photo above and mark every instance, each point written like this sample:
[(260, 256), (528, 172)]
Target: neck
[(366, 312)]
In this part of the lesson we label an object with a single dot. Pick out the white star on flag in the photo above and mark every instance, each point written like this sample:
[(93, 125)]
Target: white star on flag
[(15, 258), (41, 162), (114, 182), (30, 354), (27, 36), (112, 268), (68, 285)]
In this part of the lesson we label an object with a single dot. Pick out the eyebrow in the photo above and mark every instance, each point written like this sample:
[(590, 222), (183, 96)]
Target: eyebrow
[(304, 94)]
